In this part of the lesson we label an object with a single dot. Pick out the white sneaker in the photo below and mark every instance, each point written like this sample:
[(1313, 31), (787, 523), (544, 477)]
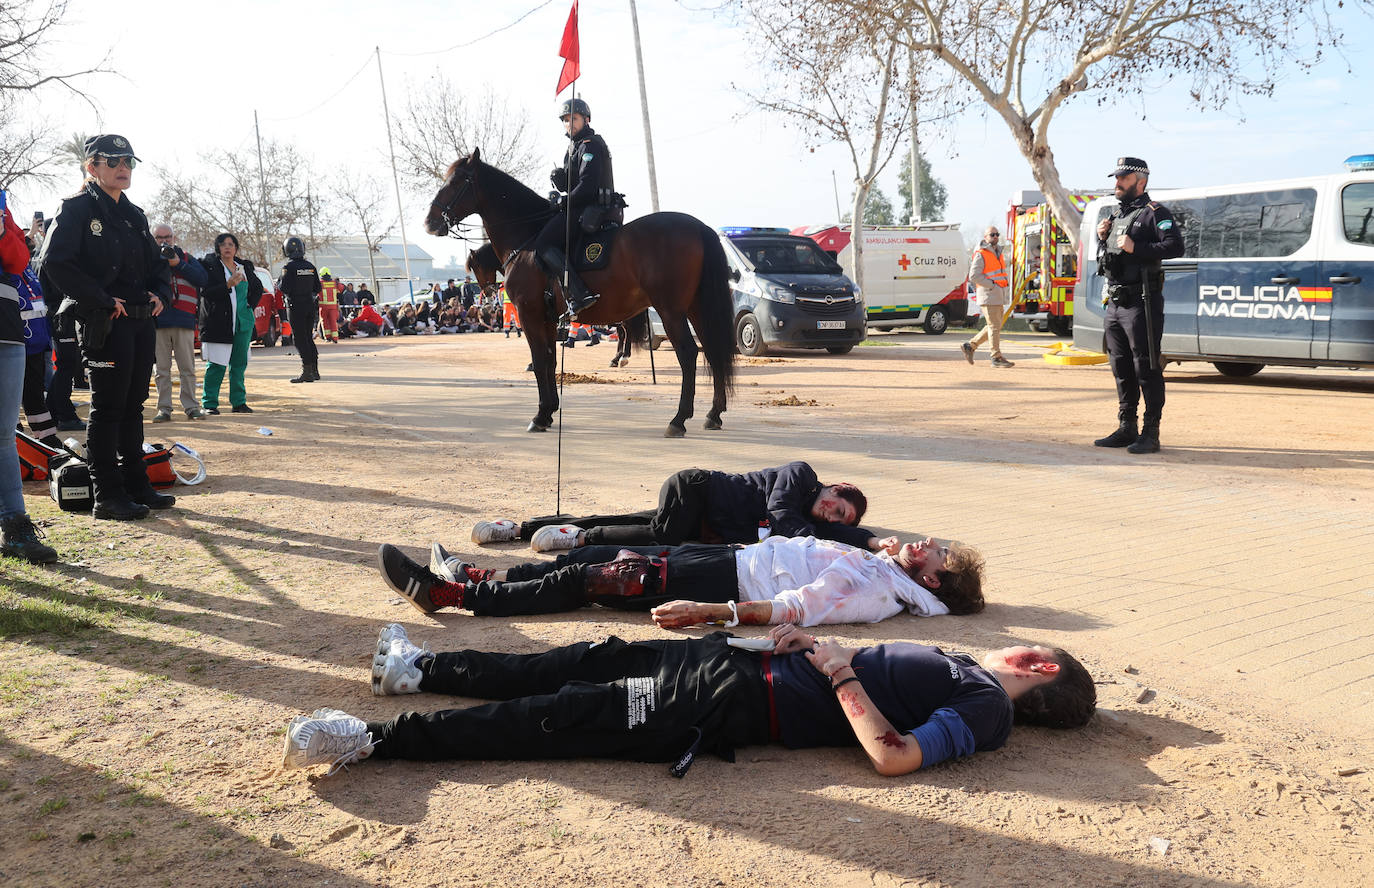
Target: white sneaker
[(327, 735), (555, 537), (393, 665), (502, 530)]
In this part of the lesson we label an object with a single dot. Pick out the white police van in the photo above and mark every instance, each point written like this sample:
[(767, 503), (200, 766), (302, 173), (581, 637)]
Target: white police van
[(1278, 272)]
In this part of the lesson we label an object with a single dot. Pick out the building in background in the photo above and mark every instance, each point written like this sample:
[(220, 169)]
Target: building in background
[(348, 260)]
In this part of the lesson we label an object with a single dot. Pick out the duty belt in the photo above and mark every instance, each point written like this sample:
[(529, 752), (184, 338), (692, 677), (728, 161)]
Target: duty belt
[(138, 312)]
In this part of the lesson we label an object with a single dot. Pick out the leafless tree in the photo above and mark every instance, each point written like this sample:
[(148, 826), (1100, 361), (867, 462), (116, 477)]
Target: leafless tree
[(227, 194), (837, 83), (27, 150), (439, 124), (25, 30), (1022, 59), (365, 204)]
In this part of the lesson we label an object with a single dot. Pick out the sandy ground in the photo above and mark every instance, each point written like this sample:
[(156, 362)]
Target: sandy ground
[(1221, 592)]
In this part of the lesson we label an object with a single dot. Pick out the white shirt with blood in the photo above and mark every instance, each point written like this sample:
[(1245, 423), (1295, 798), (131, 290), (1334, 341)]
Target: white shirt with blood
[(812, 581)]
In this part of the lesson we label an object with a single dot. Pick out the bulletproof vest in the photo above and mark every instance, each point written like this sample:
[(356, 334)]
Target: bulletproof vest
[(1123, 267)]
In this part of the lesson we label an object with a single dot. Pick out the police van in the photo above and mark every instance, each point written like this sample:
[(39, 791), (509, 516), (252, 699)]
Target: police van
[(914, 275), (1278, 272), (789, 293)]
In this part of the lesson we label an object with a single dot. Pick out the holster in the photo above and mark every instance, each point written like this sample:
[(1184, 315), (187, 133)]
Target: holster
[(1124, 295), (92, 325)]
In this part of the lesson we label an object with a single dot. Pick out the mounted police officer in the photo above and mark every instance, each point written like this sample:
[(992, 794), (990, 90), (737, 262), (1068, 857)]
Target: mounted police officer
[(587, 184), (1131, 243), (301, 284), (101, 257)]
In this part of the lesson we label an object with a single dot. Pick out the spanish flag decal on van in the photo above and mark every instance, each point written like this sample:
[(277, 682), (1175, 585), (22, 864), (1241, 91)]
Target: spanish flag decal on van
[(1315, 294)]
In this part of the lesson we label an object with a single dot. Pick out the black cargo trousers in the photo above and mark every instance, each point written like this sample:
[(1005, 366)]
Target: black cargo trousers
[(694, 571), (680, 517), (649, 701), (1133, 329)]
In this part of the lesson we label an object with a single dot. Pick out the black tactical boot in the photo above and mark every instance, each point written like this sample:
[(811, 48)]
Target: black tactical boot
[(578, 299), (1148, 442), (22, 540), (305, 375), (1125, 434), (117, 507), (314, 372)]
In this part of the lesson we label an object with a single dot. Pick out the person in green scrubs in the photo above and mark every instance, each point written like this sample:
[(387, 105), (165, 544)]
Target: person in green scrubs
[(226, 323)]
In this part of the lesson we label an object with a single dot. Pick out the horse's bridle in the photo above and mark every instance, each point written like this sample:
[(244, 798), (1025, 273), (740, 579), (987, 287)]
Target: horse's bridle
[(445, 208)]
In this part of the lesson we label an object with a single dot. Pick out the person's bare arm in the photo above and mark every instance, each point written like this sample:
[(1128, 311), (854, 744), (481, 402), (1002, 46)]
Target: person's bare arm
[(892, 754), (678, 614)]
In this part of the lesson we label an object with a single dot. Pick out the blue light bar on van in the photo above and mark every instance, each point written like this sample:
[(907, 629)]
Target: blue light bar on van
[(1359, 162), (737, 230)]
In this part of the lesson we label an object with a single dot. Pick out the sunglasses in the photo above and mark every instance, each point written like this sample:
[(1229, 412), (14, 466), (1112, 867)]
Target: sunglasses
[(115, 162)]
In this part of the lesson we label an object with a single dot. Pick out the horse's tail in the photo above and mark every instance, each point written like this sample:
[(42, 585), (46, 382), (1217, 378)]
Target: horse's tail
[(716, 309), (637, 328)]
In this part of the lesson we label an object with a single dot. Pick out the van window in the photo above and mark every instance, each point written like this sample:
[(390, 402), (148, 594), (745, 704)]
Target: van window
[(1268, 223), (1188, 217), (1357, 209)]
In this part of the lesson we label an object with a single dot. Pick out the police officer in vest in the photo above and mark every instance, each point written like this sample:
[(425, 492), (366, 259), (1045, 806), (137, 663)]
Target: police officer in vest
[(587, 181), (101, 257), (1131, 243), (301, 284)]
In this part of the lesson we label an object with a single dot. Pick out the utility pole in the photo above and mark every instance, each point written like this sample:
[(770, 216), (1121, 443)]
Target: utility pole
[(835, 186), (915, 139), (644, 107), (395, 180), (262, 197), (310, 214)]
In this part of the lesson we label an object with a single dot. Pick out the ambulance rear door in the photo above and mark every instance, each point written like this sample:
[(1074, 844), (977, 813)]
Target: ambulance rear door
[(1347, 274)]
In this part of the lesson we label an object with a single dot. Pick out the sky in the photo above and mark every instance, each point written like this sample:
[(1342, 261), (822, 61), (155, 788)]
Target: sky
[(190, 75)]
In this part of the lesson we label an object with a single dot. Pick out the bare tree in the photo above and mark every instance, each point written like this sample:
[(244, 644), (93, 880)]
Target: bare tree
[(365, 204), (27, 151), (839, 83), (226, 194), (1024, 58), (439, 124), (25, 29)]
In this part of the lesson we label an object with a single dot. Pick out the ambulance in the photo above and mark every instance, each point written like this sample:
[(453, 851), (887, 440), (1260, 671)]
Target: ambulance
[(1043, 265), (913, 275), (1278, 272)]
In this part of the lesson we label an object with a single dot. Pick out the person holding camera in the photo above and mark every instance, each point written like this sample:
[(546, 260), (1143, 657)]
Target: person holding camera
[(226, 323), (176, 327), (1131, 243), (101, 258), (301, 284)]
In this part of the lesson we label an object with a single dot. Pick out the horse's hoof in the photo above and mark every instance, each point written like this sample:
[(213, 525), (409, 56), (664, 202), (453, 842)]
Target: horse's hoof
[(536, 427), (674, 431), (714, 424)]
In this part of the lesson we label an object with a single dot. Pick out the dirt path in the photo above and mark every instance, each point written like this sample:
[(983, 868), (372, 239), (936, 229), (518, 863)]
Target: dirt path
[(1221, 592)]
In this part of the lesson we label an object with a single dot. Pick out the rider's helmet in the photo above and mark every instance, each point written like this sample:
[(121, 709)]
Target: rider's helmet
[(575, 106), (293, 248)]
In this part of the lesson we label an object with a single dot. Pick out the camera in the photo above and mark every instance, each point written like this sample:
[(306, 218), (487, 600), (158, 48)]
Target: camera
[(167, 251)]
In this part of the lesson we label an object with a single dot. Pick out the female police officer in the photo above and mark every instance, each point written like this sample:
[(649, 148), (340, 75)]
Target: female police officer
[(101, 257)]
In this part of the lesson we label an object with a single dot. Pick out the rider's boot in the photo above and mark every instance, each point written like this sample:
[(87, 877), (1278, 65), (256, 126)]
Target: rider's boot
[(579, 300)]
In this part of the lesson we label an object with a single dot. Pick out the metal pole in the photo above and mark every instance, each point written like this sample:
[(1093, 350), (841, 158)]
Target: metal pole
[(310, 215), (915, 140), (644, 108), (395, 180), (835, 184), (262, 196)]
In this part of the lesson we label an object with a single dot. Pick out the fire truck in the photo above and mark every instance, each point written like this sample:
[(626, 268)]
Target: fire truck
[(1043, 266)]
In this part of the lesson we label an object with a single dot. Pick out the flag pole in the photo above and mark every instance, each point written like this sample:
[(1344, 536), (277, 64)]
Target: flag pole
[(396, 180)]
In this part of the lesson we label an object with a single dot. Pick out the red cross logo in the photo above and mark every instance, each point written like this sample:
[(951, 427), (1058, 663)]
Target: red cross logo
[(904, 262)]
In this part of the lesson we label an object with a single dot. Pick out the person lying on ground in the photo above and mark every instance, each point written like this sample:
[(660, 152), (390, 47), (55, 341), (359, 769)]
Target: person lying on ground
[(908, 706), (702, 506), (800, 580)]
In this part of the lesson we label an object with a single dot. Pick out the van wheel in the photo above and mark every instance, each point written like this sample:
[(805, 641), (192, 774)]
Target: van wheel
[(1061, 326), (269, 339), (937, 321), (749, 336), (840, 349), (1237, 369)]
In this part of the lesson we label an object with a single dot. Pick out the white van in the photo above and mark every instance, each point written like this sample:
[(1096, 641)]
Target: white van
[(913, 275), (1278, 272)]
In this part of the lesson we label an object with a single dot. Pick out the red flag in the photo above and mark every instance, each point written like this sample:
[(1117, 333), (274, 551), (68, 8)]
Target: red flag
[(570, 52)]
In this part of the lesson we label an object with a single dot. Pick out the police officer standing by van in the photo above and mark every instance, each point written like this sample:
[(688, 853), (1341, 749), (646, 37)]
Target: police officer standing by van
[(588, 181), (1131, 243), (301, 284), (101, 257)]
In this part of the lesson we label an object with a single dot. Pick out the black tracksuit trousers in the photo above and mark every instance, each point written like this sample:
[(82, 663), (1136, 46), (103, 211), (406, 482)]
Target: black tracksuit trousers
[(695, 571), (648, 701), (680, 517)]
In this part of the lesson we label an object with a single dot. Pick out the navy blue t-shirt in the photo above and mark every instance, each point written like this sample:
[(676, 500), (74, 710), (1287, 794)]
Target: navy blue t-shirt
[(908, 683)]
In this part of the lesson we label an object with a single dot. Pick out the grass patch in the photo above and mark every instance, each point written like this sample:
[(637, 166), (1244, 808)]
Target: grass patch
[(52, 806), (27, 608), (880, 343)]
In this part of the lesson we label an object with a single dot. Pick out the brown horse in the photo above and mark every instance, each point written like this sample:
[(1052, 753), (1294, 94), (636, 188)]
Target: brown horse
[(671, 261), (484, 266)]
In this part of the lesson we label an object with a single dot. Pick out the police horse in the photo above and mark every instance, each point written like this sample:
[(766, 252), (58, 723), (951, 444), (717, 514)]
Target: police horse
[(484, 266), (671, 261)]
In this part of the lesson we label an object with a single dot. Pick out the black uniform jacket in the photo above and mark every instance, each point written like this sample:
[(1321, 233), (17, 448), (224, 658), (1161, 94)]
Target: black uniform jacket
[(300, 282), (98, 250), (216, 312), (782, 496), (589, 169), (1155, 232)]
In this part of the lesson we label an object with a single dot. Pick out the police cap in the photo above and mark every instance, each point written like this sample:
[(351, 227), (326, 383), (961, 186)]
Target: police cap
[(575, 106), (110, 145), (1126, 165)]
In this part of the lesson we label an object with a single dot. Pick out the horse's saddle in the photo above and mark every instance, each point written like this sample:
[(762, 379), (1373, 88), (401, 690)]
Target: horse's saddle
[(596, 231)]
